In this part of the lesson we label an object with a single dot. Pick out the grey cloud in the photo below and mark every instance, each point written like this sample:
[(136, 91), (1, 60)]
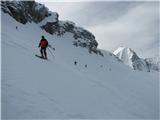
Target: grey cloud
[(93, 13)]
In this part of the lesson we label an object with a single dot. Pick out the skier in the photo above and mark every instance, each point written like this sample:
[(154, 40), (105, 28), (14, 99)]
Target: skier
[(43, 44)]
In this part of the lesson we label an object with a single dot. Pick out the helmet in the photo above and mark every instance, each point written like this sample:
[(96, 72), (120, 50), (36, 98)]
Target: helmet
[(42, 37)]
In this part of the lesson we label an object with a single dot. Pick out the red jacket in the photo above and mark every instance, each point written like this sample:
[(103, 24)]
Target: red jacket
[(43, 43)]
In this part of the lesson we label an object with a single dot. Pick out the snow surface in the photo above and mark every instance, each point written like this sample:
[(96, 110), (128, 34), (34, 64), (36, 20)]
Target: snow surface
[(33, 88)]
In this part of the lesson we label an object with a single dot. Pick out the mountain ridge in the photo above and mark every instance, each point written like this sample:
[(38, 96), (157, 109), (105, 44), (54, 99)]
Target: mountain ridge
[(131, 59)]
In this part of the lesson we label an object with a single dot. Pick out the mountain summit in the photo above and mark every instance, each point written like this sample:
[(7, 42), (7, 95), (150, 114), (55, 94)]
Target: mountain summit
[(130, 58)]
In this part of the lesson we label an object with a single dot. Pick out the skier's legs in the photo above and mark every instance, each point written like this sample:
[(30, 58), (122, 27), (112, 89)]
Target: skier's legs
[(41, 50), (45, 53)]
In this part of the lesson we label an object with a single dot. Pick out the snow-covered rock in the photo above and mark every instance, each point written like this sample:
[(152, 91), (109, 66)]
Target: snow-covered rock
[(130, 58), (31, 11), (153, 63), (27, 11), (82, 37)]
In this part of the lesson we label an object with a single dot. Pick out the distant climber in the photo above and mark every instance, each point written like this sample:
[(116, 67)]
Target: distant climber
[(85, 65), (43, 44), (16, 27), (75, 62)]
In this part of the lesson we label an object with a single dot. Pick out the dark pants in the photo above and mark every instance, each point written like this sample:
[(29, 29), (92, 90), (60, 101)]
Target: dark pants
[(43, 52)]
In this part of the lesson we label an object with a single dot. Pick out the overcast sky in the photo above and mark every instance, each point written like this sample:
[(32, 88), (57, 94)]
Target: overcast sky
[(129, 24)]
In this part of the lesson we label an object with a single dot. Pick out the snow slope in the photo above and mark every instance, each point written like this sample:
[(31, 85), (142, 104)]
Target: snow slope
[(33, 88)]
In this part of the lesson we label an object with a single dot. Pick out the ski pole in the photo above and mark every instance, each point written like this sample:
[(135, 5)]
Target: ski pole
[(50, 52), (51, 47)]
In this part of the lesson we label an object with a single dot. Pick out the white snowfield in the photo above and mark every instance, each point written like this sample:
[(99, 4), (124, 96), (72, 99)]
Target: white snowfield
[(33, 88)]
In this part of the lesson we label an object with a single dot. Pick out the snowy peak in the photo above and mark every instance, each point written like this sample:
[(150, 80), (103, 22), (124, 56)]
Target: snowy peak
[(130, 58), (126, 55)]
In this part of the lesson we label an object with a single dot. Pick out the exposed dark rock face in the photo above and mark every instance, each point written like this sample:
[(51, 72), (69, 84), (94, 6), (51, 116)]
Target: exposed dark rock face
[(138, 63), (26, 11)]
